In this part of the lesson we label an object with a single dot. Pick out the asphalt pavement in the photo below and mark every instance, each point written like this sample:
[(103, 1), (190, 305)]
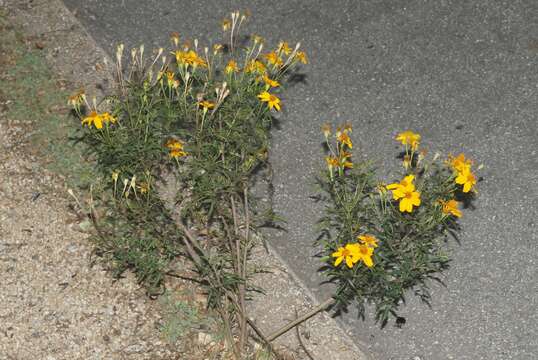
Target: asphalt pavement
[(464, 74)]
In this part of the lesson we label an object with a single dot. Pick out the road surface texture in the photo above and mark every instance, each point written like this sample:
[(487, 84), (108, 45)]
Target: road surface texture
[(464, 74)]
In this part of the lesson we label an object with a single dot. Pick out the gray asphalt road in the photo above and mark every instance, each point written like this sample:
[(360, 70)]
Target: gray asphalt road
[(464, 74)]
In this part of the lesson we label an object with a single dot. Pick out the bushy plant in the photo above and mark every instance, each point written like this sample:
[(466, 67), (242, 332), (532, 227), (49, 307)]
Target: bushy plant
[(379, 241), (202, 115)]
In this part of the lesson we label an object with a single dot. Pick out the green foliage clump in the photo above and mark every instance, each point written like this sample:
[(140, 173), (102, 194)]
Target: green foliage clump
[(379, 241)]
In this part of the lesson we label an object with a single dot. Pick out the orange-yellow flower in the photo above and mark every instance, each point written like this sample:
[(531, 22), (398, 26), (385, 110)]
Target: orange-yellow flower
[(301, 56), (450, 207), (94, 119), (459, 163), (406, 193), (343, 159), (76, 99), (273, 58), (174, 36), (271, 100), (176, 148), (409, 138), (467, 179), (284, 47), (344, 138), (170, 78), (206, 105), (332, 162), (226, 24), (255, 66), (231, 67), (107, 118), (349, 253), (368, 240), (365, 253), (189, 58), (269, 82)]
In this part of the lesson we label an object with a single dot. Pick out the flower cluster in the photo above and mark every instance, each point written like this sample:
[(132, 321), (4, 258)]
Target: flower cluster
[(176, 148), (98, 119), (358, 251), (340, 157), (462, 172)]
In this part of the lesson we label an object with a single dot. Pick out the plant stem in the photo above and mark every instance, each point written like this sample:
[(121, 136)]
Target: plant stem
[(301, 319)]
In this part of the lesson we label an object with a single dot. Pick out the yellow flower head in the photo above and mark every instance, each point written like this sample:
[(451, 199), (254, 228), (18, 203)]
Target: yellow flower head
[(206, 105), (76, 99), (365, 252), (459, 163), (405, 192), (450, 207), (301, 56), (368, 240), (107, 118), (332, 162), (273, 58), (343, 159), (284, 47), (255, 66), (409, 138), (344, 138), (176, 148), (270, 83), (143, 187), (170, 78), (94, 119), (189, 58), (349, 253), (231, 67), (217, 48), (467, 179), (271, 100), (226, 24)]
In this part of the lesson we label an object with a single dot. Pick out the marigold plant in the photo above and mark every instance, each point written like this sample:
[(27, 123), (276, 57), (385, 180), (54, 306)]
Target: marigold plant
[(379, 241)]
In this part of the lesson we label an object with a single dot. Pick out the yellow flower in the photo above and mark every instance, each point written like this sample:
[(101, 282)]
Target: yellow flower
[(143, 187), (406, 193), (170, 78), (301, 56), (217, 48), (365, 253), (231, 67), (406, 181), (332, 162), (450, 207), (115, 175), (409, 138), (343, 159), (326, 128), (107, 118), (368, 240), (467, 179), (226, 24), (349, 253), (93, 119), (176, 148), (76, 99), (459, 163), (255, 66), (406, 161), (189, 58), (271, 100), (284, 47), (206, 105), (270, 83), (344, 138), (273, 58)]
